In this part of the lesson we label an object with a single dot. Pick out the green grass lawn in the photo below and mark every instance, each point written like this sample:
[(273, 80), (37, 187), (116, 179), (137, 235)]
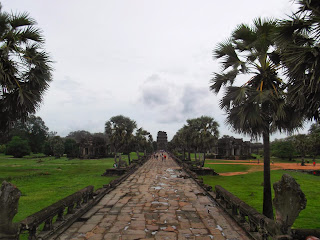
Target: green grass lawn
[(249, 188), (224, 168), (44, 181)]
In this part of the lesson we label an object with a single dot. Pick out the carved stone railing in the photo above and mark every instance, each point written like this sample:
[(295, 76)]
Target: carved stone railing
[(55, 216), (255, 223), (193, 167)]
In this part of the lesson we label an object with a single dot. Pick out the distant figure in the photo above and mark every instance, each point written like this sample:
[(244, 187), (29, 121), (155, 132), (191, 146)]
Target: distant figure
[(165, 157), (314, 163)]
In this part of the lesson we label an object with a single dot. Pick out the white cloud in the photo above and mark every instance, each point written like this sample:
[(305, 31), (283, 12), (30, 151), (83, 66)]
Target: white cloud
[(149, 60)]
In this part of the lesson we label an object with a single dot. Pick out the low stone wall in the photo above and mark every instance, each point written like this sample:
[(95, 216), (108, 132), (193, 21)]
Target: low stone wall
[(255, 223), (65, 212)]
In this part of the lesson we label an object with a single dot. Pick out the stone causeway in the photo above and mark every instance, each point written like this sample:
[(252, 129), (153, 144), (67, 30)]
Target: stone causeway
[(158, 201)]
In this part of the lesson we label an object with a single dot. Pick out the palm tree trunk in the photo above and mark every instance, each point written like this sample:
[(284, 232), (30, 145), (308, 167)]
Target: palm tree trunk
[(184, 154), (204, 159), (267, 195), (302, 160), (189, 155)]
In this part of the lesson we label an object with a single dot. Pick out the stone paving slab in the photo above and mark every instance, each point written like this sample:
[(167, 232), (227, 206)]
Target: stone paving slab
[(156, 203)]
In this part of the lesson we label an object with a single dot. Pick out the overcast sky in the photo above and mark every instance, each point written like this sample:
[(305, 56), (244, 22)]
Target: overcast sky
[(150, 60)]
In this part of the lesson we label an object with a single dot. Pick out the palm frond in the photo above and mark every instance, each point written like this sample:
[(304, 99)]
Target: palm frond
[(223, 79), (21, 20), (227, 52)]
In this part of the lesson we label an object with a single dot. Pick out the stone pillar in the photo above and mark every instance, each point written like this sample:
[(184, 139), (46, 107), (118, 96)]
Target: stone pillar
[(9, 199)]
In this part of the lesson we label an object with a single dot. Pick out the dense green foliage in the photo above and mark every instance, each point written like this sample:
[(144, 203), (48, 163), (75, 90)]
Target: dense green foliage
[(18, 147), (298, 41), (71, 148), (2, 148), (54, 146), (283, 148), (33, 129)]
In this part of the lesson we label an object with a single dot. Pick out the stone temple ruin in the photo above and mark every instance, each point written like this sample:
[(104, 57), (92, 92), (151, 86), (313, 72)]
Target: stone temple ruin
[(236, 148), (162, 140)]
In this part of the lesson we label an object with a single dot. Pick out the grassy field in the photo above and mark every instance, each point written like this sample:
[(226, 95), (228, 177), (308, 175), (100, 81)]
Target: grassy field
[(224, 168), (43, 181), (249, 188)]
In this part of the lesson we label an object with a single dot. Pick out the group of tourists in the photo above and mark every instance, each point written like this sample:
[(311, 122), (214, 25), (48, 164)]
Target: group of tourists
[(162, 155)]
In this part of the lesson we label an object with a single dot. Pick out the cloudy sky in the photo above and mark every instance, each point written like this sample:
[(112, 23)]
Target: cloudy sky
[(150, 60)]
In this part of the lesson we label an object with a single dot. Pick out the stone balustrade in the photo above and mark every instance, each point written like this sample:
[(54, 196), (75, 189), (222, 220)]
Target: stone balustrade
[(55, 216), (257, 225)]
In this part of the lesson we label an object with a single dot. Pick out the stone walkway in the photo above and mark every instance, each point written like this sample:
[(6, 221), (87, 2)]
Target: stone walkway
[(157, 202)]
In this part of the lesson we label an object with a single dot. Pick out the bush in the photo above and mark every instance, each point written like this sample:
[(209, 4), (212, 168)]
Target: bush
[(47, 150), (18, 147), (71, 148), (2, 148)]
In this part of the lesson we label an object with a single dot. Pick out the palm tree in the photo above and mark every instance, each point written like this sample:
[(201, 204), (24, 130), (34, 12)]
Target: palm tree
[(25, 70), (119, 129), (141, 140), (256, 107), (204, 135), (298, 41)]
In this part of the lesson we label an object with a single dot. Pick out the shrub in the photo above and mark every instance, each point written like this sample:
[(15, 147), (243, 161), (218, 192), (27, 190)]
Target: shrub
[(2, 148), (57, 146), (18, 147), (71, 148)]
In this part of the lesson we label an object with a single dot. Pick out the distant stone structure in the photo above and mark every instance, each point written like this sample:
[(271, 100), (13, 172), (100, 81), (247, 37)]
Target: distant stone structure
[(86, 148), (236, 148), (94, 146), (162, 141)]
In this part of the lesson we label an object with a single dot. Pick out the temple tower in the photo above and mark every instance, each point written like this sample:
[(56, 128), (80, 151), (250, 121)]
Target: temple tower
[(162, 141)]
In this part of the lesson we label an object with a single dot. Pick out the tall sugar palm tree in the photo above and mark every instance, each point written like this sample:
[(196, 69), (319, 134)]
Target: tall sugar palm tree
[(25, 70), (298, 40), (257, 106)]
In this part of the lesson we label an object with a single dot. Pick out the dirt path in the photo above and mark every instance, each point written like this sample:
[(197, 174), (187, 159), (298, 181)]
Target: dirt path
[(259, 166)]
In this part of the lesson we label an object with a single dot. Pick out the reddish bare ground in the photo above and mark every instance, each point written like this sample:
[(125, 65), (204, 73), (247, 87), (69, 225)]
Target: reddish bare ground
[(259, 166)]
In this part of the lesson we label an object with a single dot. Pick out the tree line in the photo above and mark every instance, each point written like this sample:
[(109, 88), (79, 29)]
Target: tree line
[(299, 145), (121, 136)]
